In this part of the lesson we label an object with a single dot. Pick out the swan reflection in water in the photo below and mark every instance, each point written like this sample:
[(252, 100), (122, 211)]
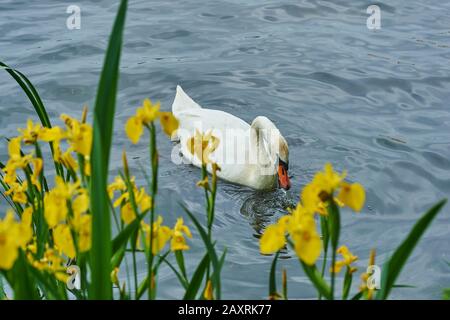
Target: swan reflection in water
[(264, 208)]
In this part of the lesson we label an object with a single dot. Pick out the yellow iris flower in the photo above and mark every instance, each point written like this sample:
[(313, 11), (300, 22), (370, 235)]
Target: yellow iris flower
[(352, 195), (85, 233), (37, 169), (30, 134), (324, 185), (79, 135), (208, 293), (168, 122), (364, 277), (62, 237), (328, 180), (143, 201), (178, 241), (8, 243), (307, 243), (145, 114), (347, 259), (117, 185), (18, 192), (34, 132), (204, 183), (273, 239), (127, 213), (202, 145), (51, 262), (301, 227), (15, 161), (55, 201), (14, 235), (161, 235)]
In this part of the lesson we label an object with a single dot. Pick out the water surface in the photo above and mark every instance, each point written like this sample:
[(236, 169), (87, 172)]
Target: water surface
[(373, 102)]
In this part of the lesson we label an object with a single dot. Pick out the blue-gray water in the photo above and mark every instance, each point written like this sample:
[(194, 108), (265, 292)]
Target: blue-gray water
[(373, 102)]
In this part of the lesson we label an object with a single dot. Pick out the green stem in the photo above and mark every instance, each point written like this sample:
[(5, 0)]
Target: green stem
[(135, 274), (324, 265), (333, 274), (154, 189)]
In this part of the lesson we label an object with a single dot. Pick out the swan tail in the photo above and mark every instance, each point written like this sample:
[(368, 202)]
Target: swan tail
[(183, 102)]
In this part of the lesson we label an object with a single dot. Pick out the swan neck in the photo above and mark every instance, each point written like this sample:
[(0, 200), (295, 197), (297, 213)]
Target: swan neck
[(262, 130)]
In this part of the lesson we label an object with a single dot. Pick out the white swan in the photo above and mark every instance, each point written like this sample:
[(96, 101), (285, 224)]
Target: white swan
[(255, 155)]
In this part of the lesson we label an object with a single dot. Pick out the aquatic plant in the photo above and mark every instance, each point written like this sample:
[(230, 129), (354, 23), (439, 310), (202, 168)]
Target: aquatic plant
[(53, 230), (62, 227), (324, 197)]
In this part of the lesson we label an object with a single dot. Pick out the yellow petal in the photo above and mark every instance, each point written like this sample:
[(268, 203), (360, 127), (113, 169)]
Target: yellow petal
[(208, 294), (27, 216), (203, 183), (114, 276), (127, 213), (178, 242), (337, 267), (51, 134), (81, 203), (352, 195), (14, 147), (145, 202), (309, 249), (55, 208), (8, 256), (272, 240), (134, 129), (82, 139), (161, 236), (169, 123), (63, 240), (85, 234), (87, 167)]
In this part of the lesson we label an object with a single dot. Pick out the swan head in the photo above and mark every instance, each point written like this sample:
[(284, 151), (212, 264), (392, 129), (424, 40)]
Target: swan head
[(283, 164), (273, 145)]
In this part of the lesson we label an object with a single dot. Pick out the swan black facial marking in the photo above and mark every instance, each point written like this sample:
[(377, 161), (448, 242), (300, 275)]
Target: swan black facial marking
[(285, 165)]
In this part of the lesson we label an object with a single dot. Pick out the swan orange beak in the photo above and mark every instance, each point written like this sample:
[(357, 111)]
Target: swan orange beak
[(283, 178)]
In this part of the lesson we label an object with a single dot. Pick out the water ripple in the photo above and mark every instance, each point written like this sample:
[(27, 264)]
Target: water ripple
[(374, 103)]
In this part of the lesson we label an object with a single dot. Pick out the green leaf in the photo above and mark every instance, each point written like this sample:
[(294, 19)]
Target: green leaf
[(334, 224), (211, 252), (272, 277), (180, 277), (101, 252), (197, 279), (180, 261), (48, 283), (393, 267), (35, 100), (2, 289), (347, 284), (325, 233), (446, 295), (31, 93), (121, 239), (221, 262), (358, 296), (317, 280), (406, 286), (143, 286), (117, 257), (24, 285)]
